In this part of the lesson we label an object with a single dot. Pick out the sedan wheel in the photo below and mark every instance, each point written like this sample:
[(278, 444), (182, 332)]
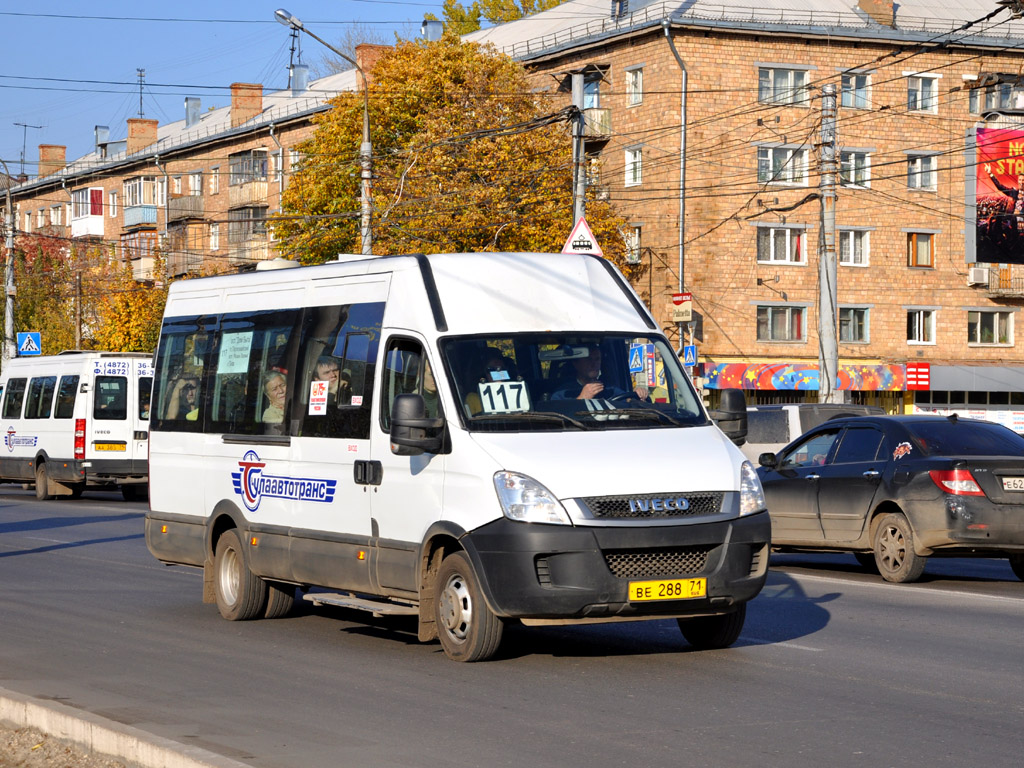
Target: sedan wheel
[(894, 550), (1017, 564)]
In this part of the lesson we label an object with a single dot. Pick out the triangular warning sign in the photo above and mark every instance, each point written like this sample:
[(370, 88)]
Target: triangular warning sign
[(582, 240)]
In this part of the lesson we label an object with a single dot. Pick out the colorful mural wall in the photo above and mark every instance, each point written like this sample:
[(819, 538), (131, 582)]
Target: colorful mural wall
[(767, 376)]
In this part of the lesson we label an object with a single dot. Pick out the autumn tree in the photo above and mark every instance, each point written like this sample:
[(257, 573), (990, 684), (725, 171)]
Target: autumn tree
[(465, 158), (129, 313), (43, 277), (462, 19)]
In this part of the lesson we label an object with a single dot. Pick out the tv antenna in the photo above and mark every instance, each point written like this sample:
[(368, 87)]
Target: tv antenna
[(142, 79)]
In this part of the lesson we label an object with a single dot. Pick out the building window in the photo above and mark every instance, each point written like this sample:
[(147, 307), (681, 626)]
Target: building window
[(112, 204), (781, 165), (214, 237), (142, 190), (922, 93), (776, 85), (780, 323), (28, 221), (161, 191), (634, 166), (781, 245), (632, 237), (854, 247), (999, 97), (195, 183), (246, 223), (294, 158), (853, 325), (921, 326), (920, 249), (921, 172), (247, 166), (40, 218), (215, 180), (854, 169), (854, 90), (176, 185), (634, 86), (56, 215), (995, 328), (139, 245), (592, 90), (86, 202)]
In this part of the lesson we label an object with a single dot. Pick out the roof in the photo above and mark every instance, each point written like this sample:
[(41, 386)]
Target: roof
[(578, 21)]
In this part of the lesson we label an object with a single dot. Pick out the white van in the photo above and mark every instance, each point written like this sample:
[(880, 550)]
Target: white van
[(77, 419), (467, 438)]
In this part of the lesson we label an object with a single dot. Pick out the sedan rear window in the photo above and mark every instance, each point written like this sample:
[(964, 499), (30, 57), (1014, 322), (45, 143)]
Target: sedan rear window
[(952, 438)]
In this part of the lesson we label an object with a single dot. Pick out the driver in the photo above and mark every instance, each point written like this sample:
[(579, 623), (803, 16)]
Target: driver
[(587, 383)]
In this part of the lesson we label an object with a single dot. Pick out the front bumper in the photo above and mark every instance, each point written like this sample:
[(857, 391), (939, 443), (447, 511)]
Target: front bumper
[(530, 570)]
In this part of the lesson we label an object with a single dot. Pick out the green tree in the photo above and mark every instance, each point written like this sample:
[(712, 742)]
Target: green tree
[(466, 158)]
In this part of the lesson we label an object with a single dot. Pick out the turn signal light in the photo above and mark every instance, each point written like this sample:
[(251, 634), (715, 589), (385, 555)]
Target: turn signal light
[(959, 482), (361, 555)]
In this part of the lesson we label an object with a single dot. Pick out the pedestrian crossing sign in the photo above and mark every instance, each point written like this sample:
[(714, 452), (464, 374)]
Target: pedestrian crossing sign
[(30, 343), (690, 355), (636, 358)]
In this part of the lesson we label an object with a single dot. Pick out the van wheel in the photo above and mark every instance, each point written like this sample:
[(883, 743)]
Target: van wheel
[(467, 628), (241, 595), (135, 492), (76, 490), (706, 633), (42, 483), (894, 550), (280, 599), (1017, 565)]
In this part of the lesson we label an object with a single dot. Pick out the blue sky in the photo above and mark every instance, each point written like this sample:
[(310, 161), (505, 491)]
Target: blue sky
[(52, 50)]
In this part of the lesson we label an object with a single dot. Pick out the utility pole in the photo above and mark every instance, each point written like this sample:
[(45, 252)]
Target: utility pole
[(828, 351), (24, 141), (9, 348), (142, 79), (579, 171)]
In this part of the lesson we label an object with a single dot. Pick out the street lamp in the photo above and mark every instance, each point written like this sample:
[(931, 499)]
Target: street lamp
[(365, 149), (9, 347)]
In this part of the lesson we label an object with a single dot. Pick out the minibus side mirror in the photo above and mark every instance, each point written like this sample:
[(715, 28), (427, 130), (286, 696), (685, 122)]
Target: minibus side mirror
[(410, 427), (731, 416)]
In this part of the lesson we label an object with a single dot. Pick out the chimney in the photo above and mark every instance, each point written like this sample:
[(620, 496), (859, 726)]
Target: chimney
[(141, 134), (102, 134), (246, 102), (366, 56), (51, 159), (300, 79), (192, 106), (881, 11)]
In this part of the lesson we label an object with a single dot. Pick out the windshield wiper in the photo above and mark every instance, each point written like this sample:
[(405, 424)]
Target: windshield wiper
[(531, 416)]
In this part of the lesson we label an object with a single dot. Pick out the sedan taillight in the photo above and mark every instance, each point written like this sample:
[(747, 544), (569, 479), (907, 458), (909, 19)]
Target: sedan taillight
[(959, 482)]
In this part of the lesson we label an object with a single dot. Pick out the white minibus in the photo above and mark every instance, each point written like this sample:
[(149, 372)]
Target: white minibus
[(76, 420), (470, 439)]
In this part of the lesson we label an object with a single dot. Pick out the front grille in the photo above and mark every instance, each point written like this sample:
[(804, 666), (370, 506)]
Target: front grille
[(657, 563), (619, 506)]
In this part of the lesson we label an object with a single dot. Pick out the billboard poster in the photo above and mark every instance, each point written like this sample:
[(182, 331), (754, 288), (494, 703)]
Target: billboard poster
[(1000, 196)]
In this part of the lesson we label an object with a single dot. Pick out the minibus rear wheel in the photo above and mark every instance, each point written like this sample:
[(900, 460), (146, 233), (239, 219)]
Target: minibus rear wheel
[(467, 628), (42, 483), (241, 594)]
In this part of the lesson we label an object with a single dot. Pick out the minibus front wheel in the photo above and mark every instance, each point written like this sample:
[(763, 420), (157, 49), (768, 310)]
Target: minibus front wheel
[(241, 594), (467, 628)]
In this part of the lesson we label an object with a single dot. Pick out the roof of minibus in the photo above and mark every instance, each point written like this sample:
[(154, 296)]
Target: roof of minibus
[(478, 292)]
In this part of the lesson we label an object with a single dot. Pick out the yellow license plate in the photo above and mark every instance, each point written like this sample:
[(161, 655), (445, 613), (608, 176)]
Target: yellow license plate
[(109, 446), (668, 589)]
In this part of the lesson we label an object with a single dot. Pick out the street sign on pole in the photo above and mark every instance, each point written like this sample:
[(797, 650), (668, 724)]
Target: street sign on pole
[(582, 240), (682, 310), (30, 343), (690, 355)]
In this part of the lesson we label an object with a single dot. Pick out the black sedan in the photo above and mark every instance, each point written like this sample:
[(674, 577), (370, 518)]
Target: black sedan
[(895, 490)]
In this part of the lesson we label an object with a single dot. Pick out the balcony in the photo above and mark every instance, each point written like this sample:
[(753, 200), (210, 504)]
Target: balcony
[(248, 193), (183, 263), (597, 123), (188, 207), (142, 269), (250, 251), (1005, 282), (87, 226), (137, 215)]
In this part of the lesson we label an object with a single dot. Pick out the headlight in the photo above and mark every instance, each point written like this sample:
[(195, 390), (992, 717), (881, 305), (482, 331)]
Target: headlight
[(525, 500), (751, 492)]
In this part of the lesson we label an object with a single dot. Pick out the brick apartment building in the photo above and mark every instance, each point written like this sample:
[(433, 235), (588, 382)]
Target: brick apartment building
[(912, 88)]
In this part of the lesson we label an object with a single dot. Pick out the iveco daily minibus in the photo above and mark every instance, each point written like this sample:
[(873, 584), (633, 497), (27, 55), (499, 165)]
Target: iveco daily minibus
[(77, 419), (466, 438)]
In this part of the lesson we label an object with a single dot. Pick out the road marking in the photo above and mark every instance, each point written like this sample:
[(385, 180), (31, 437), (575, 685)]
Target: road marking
[(777, 643)]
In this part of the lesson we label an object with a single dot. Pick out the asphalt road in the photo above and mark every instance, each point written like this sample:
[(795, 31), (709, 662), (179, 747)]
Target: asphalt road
[(834, 667)]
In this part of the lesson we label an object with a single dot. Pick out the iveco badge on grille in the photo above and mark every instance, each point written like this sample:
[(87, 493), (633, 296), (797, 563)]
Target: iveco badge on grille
[(659, 505)]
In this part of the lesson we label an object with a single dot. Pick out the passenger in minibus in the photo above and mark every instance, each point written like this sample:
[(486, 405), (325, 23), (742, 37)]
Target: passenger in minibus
[(183, 399), (276, 388), (339, 383)]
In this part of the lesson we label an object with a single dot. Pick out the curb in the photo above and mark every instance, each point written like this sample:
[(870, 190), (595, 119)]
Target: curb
[(106, 737)]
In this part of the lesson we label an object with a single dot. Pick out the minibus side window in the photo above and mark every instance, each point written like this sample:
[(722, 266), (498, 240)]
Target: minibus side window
[(40, 397), (145, 396), (407, 371), (13, 398), (66, 393), (178, 400), (338, 353), (110, 398)]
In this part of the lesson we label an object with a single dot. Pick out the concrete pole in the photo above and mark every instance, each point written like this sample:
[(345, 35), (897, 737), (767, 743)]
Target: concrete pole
[(579, 171), (10, 349), (828, 351)]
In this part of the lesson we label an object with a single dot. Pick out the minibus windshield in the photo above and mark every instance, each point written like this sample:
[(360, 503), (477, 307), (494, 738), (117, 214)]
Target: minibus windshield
[(569, 382)]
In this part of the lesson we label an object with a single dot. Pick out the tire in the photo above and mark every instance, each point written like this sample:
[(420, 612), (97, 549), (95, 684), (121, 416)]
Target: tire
[(467, 628), (42, 483), (866, 561), (241, 595), (894, 550), (280, 599), (1017, 564), (707, 633), (129, 493), (76, 490)]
